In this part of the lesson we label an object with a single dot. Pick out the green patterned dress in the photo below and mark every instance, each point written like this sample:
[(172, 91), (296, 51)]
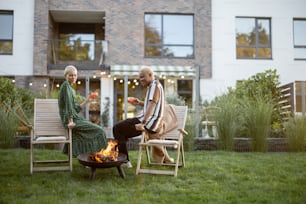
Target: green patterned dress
[(87, 137)]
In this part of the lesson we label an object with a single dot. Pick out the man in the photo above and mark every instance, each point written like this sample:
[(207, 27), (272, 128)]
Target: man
[(150, 119)]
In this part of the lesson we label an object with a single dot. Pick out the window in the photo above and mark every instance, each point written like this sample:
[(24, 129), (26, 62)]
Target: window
[(6, 32), (78, 42), (169, 35), (76, 47), (299, 33), (184, 90), (253, 38)]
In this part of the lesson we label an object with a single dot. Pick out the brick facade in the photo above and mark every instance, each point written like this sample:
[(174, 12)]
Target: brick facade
[(124, 30)]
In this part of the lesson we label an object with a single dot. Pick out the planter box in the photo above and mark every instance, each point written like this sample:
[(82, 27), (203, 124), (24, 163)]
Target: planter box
[(23, 141), (243, 144)]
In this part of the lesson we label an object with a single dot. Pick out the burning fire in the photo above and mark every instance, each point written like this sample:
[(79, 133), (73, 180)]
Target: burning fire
[(108, 154)]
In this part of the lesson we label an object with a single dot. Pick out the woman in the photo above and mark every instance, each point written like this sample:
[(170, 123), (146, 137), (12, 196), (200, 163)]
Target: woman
[(87, 137)]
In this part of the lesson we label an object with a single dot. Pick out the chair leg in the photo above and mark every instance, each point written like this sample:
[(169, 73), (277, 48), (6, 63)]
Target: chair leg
[(148, 150), (206, 133), (139, 160), (177, 160), (70, 157), (183, 154), (31, 158), (215, 131)]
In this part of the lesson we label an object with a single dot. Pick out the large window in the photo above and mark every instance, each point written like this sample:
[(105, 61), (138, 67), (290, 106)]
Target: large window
[(6, 32), (253, 38), (77, 42), (299, 33), (169, 35), (76, 46)]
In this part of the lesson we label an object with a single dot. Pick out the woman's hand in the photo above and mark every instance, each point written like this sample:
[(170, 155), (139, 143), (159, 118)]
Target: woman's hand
[(71, 125)]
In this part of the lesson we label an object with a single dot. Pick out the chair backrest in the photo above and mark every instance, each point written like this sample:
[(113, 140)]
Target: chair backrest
[(181, 114), (47, 121), (210, 113)]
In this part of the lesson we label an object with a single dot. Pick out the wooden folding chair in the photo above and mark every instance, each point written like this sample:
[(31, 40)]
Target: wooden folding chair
[(48, 129), (172, 139)]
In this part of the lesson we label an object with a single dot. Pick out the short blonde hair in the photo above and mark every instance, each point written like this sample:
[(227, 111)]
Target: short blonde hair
[(69, 68), (147, 70)]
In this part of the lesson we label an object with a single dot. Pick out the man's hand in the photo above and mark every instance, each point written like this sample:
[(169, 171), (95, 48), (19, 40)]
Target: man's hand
[(139, 127), (134, 101)]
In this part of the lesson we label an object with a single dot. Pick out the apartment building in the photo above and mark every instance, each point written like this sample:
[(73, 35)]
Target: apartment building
[(249, 37), (197, 48)]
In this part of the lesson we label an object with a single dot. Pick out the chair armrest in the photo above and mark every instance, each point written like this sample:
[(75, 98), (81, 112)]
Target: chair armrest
[(183, 131)]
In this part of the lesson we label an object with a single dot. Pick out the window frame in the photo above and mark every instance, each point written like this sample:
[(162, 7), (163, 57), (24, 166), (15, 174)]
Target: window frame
[(10, 39), (295, 46), (257, 45), (170, 45)]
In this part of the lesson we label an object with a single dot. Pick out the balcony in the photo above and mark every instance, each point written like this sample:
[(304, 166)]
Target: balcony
[(84, 54)]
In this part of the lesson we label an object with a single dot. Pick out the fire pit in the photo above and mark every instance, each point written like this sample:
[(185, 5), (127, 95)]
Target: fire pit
[(85, 160), (106, 158)]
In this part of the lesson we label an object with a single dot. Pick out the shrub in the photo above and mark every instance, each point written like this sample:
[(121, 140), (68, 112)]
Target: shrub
[(190, 128), (295, 131), (175, 99), (16, 105), (9, 124), (266, 85), (257, 121), (227, 121)]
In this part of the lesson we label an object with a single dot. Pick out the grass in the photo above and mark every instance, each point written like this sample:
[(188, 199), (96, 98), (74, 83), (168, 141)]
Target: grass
[(209, 177)]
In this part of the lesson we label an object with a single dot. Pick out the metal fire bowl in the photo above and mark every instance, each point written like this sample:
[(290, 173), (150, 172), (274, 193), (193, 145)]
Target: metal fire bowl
[(86, 161)]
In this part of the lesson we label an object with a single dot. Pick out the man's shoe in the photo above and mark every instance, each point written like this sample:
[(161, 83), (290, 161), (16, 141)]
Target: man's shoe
[(127, 165)]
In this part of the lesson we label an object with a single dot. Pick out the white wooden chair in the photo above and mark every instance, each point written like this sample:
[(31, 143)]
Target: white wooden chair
[(210, 121), (173, 139), (48, 129)]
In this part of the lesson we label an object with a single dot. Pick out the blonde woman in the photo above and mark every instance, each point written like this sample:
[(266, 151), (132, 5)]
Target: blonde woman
[(87, 137)]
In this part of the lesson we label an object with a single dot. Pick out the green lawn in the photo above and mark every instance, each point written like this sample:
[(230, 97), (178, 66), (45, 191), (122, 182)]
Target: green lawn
[(209, 177)]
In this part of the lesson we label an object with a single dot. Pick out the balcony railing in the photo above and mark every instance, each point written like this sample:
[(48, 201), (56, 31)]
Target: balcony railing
[(85, 54)]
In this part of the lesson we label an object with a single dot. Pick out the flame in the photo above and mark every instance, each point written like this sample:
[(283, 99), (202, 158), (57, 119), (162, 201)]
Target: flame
[(110, 153)]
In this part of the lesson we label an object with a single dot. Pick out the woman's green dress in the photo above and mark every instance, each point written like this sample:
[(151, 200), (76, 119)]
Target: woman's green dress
[(87, 137)]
